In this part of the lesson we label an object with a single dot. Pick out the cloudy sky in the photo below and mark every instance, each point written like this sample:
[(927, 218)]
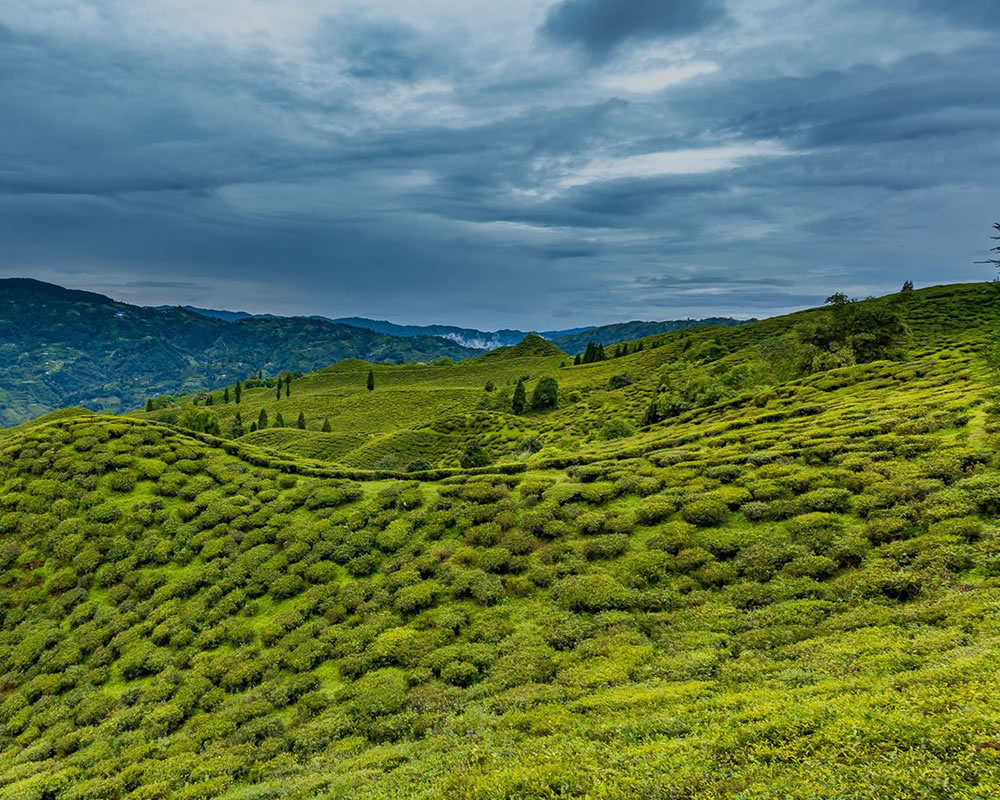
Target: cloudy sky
[(525, 163)]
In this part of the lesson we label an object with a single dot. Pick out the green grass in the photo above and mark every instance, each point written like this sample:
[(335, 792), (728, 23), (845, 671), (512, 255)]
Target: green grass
[(790, 593)]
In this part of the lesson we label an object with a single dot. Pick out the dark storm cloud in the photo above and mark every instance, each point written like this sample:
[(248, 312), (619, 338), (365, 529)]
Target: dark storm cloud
[(379, 168), (376, 49), (602, 26), (966, 13)]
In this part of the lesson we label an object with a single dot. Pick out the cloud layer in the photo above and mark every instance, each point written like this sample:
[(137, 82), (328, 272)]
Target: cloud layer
[(532, 164)]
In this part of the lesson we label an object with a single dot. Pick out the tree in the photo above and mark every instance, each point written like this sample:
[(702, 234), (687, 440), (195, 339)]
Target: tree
[(371, 379), (239, 392), (546, 395), (278, 395), (301, 423), (237, 430), (594, 352), (149, 404), (577, 360), (326, 425), (994, 261), (262, 420), (225, 395), (474, 456), (907, 287), (520, 398), (209, 400), (279, 421), (288, 385)]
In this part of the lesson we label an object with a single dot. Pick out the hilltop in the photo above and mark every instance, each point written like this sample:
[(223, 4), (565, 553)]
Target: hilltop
[(759, 584), (65, 347)]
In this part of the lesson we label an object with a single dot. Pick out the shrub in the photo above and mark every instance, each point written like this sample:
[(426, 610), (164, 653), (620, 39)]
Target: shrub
[(416, 597), (592, 592), (617, 428), (655, 509), (459, 673), (705, 513), (287, 586), (827, 499), (607, 546)]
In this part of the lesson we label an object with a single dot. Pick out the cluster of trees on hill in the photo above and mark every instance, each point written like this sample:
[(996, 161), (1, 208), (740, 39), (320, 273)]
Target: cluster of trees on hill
[(849, 332), (595, 352)]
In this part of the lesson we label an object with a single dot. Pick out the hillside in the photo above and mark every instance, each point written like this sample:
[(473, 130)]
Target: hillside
[(62, 347), (572, 340), (786, 587), (576, 341)]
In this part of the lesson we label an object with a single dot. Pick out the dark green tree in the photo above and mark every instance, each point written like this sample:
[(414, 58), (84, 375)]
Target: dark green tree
[(239, 392), (209, 400), (149, 404), (288, 386), (474, 456), (994, 261), (262, 420), (371, 379), (520, 398), (237, 430), (301, 422), (279, 421), (225, 395), (278, 395), (546, 395), (326, 425), (577, 360)]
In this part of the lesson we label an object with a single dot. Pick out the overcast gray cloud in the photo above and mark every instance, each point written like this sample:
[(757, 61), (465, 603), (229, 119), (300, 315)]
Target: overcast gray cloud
[(533, 164), (600, 26)]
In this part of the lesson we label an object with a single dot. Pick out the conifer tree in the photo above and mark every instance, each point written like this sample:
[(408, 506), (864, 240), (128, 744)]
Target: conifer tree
[(209, 400), (237, 426), (371, 379), (253, 427), (288, 385), (326, 425), (577, 360), (225, 395), (301, 423), (278, 395), (149, 404), (262, 420), (279, 421), (546, 395), (239, 392), (520, 398)]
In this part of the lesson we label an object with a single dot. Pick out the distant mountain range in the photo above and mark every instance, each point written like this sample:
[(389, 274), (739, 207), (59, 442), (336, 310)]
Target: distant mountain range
[(62, 347), (571, 340)]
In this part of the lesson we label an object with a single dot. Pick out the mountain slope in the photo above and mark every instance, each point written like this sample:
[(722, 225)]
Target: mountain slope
[(60, 347), (576, 341), (790, 593)]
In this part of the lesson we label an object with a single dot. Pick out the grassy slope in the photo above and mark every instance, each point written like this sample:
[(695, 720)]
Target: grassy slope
[(790, 599), (403, 417)]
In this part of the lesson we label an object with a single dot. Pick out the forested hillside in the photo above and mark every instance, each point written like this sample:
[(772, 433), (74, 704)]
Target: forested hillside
[(757, 562), (62, 347)]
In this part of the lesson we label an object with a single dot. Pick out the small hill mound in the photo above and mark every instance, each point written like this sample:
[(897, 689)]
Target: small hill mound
[(531, 346)]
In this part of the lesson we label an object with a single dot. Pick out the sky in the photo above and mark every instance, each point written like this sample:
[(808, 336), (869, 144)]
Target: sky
[(536, 164)]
